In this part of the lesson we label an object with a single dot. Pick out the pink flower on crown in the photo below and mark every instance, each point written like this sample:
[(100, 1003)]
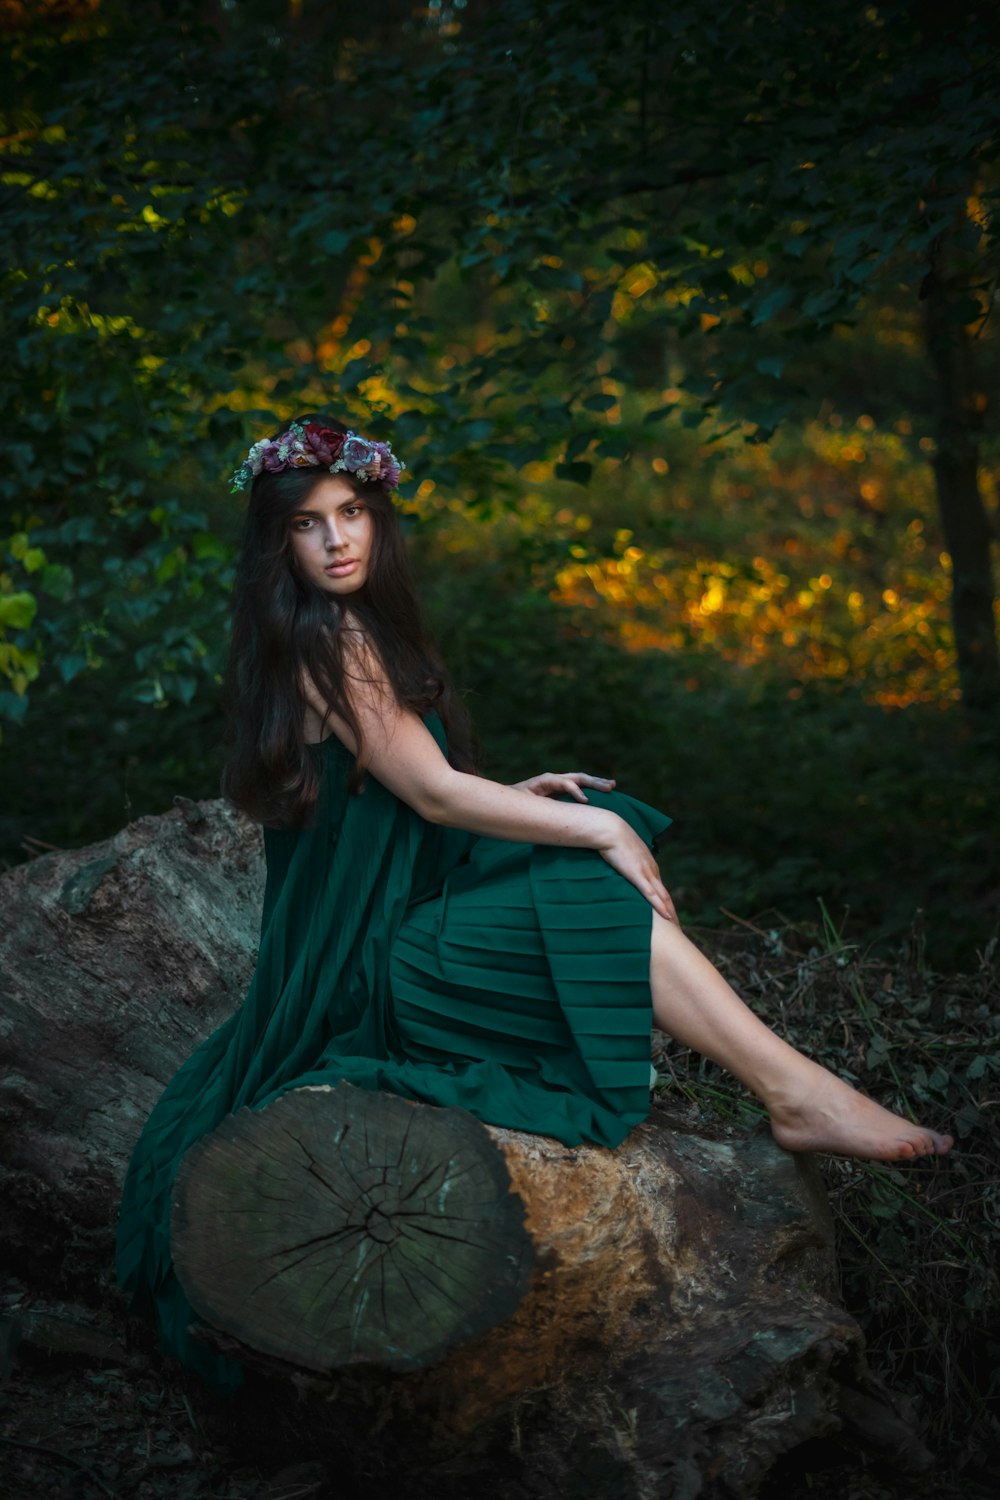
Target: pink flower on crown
[(274, 463), (387, 469)]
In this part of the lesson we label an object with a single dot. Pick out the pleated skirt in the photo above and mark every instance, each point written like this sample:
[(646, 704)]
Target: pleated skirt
[(535, 958)]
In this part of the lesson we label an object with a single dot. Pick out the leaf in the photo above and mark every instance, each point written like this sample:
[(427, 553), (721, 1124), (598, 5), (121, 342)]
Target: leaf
[(614, 444), (820, 302), (17, 610), (57, 580), (796, 246), (149, 690), (877, 1052), (555, 278), (968, 1119), (773, 303), (354, 372), (939, 1080), (13, 706), (335, 241), (478, 431), (578, 472), (206, 544), (70, 666), (659, 412), (168, 567)]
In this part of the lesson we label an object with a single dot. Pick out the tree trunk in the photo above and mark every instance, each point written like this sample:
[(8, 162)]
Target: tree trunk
[(967, 531), (657, 1320)]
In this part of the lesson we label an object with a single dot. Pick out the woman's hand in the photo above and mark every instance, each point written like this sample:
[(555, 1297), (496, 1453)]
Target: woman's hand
[(569, 783), (627, 853)]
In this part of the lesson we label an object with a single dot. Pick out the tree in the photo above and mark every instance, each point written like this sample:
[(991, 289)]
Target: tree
[(212, 219)]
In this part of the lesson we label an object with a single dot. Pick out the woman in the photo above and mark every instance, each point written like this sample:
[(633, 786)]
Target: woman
[(426, 930)]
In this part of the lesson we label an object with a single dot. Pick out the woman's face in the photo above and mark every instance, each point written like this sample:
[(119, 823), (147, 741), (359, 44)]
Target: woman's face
[(332, 536)]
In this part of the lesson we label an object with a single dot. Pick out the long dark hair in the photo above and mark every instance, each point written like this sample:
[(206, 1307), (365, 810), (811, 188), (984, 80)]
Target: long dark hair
[(281, 622)]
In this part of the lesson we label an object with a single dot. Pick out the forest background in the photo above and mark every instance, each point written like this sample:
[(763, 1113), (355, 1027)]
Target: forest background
[(683, 320)]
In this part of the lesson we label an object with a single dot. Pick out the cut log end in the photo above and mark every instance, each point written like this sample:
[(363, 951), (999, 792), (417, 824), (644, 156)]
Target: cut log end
[(341, 1227)]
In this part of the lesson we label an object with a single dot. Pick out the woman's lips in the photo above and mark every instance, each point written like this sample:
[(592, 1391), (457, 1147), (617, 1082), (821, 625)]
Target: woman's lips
[(341, 569)]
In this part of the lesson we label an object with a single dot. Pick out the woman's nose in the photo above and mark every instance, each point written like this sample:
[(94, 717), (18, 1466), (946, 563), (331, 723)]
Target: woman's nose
[(333, 535)]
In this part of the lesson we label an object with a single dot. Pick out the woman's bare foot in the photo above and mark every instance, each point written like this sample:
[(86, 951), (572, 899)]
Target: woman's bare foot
[(811, 1108), (829, 1115)]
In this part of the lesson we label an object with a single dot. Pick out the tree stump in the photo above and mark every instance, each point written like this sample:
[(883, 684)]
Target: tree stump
[(657, 1320), (341, 1227)]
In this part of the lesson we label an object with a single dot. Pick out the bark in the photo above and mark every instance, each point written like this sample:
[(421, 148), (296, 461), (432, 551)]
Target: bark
[(116, 961), (452, 1298), (967, 530)]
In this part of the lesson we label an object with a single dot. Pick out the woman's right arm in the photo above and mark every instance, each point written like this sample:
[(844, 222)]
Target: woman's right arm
[(403, 755)]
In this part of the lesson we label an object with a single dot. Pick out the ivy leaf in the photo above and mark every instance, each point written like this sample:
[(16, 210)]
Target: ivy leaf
[(773, 303), (71, 666)]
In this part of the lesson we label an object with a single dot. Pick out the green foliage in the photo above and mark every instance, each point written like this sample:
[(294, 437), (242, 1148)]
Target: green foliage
[(187, 207), (784, 790)]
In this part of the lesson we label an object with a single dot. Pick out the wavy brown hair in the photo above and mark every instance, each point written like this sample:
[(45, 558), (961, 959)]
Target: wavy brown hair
[(282, 622)]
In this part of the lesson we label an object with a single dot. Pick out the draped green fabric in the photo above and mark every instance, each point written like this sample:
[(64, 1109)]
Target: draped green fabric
[(510, 980)]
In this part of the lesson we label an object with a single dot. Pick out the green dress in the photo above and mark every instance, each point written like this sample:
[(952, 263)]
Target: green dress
[(508, 979)]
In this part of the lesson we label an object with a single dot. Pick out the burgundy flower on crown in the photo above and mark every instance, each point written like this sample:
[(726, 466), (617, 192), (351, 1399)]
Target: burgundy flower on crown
[(324, 442)]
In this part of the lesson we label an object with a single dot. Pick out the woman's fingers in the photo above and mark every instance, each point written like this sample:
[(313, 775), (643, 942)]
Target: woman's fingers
[(633, 859), (574, 781), (584, 778), (564, 783), (570, 783), (660, 899), (671, 912)]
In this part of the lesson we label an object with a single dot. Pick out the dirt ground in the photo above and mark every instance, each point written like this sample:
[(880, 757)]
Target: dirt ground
[(89, 1409)]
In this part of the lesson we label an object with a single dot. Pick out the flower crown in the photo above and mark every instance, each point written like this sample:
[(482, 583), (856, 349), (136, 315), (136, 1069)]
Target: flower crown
[(313, 446)]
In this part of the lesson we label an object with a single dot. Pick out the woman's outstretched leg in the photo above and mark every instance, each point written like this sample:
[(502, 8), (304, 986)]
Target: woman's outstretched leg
[(810, 1108)]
